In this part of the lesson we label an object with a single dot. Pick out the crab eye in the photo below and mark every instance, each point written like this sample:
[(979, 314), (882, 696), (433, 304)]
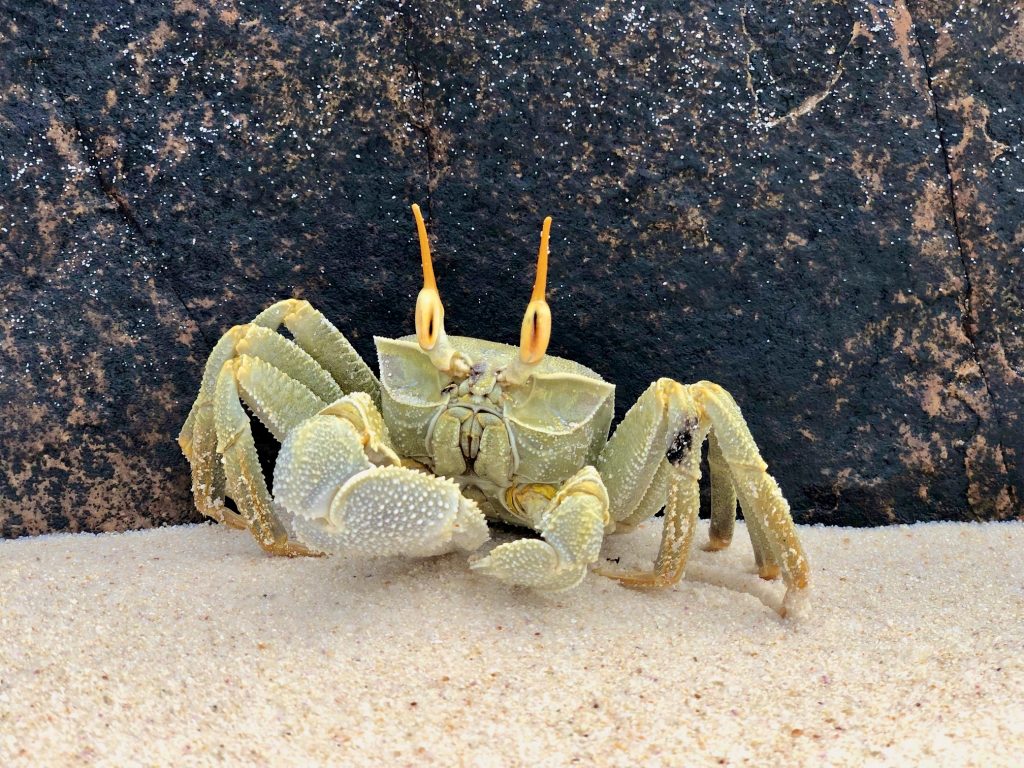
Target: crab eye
[(429, 309), (535, 333), (536, 329), (429, 318)]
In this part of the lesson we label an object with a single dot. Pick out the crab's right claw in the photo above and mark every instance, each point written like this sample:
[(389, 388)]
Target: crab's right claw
[(337, 501)]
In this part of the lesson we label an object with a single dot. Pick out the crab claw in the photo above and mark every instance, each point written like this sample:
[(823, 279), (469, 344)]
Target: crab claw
[(338, 501), (573, 527)]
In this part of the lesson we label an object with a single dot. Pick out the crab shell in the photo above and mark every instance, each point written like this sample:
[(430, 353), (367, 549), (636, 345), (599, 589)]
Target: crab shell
[(557, 421)]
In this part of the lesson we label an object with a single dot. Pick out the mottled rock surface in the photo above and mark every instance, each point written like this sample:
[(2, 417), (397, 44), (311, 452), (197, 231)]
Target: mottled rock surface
[(817, 204)]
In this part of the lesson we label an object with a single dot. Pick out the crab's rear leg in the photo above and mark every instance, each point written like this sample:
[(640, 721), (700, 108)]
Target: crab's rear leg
[(318, 338), (282, 385), (347, 493), (635, 459), (723, 497), (723, 513), (766, 511), (674, 419), (319, 357), (198, 439), (281, 403)]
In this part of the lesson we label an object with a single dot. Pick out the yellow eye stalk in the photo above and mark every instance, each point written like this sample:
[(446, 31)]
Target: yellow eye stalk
[(430, 313), (429, 309), (534, 334), (536, 330)]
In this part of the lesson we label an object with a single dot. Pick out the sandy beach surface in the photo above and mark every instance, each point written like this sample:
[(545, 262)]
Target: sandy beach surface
[(188, 646)]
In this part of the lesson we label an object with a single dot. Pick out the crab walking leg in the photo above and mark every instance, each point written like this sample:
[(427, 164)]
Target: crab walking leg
[(767, 566), (320, 358), (678, 418), (280, 402), (723, 513), (769, 523), (653, 500), (723, 497), (318, 337), (261, 343), (632, 463), (681, 512), (198, 439), (342, 503), (572, 526), (289, 358)]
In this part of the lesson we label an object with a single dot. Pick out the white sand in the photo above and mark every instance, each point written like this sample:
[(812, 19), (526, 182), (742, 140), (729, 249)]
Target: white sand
[(187, 646)]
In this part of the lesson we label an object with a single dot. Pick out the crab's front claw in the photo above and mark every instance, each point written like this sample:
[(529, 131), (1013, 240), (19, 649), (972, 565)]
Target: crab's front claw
[(336, 500), (573, 527), (388, 511)]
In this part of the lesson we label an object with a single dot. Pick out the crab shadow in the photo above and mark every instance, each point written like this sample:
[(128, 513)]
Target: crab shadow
[(389, 600), (731, 569)]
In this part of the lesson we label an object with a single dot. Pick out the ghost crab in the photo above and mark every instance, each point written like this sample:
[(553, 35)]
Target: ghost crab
[(458, 430)]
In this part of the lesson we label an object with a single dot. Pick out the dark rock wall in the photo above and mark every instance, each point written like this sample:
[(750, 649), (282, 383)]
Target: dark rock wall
[(817, 204), (973, 56)]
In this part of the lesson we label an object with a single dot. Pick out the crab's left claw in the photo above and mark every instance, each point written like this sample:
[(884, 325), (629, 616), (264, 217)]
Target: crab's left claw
[(573, 526)]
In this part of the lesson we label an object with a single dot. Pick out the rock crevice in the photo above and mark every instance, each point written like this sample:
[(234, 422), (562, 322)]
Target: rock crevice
[(970, 318)]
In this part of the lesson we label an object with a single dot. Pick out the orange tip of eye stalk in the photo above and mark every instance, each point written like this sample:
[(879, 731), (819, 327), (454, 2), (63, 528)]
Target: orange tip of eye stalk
[(540, 283)]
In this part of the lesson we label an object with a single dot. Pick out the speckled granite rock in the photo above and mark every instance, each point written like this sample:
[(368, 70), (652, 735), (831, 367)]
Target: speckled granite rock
[(754, 192), (975, 65)]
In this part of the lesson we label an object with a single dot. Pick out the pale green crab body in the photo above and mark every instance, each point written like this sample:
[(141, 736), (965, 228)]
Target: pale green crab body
[(457, 430), (493, 440)]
